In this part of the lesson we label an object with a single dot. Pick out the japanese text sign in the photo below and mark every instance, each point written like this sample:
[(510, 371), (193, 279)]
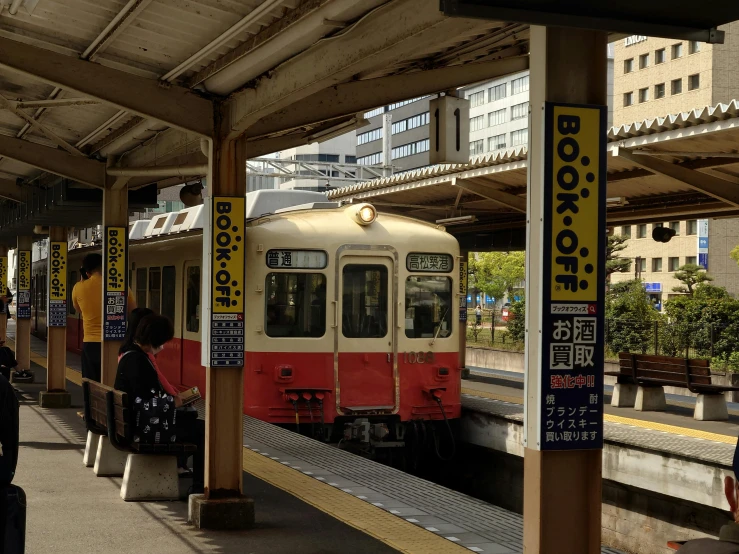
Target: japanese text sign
[(571, 409), (432, 263), (23, 302), (57, 284), (463, 291), (297, 259), (3, 274), (116, 279), (227, 293)]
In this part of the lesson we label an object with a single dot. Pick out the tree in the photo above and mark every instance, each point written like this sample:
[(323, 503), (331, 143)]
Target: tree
[(614, 263), (630, 318), (691, 276), (497, 273)]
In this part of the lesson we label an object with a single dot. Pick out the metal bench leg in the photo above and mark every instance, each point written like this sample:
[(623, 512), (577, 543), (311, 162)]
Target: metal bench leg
[(110, 461), (624, 395), (711, 407), (150, 477), (650, 399), (91, 449)]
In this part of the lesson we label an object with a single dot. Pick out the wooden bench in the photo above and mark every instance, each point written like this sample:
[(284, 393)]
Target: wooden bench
[(641, 379), (149, 470)]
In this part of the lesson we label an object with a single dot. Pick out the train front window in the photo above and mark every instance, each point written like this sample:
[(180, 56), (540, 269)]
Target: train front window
[(428, 306), (296, 305), (364, 301)]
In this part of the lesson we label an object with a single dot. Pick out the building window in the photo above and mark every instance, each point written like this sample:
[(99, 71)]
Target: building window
[(404, 103), (477, 123), (656, 264), (497, 93), (496, 143), (477, 99), (692, 260), (659, 91), (643, 95), (676, 86), (520, 137), (371, 159), (642, 264), (675, 226), (373, 113), (659, 56), (691, 227), (369, 136), (497, 117), (349, 159), (694, 47), (626, 231), (643, 61), (410, 149), (628, 98), (477, 147), (641, 231), (520, 85), (677, 50), (629, 65), (519, 111), (673, 264), (410, 123), (694, 81)]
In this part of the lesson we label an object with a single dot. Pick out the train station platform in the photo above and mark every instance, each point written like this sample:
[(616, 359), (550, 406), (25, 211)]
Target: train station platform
[(310, 497)]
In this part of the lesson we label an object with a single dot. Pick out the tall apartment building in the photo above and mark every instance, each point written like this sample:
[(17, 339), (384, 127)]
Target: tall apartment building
[(499, 111), (656, 77)]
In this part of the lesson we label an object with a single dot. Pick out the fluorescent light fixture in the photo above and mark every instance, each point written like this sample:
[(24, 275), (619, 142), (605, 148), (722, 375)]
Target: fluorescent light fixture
[(457, 220)]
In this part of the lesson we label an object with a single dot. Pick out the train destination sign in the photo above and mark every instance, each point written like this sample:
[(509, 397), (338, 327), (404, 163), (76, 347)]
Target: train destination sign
[(227, 275), (297, 259), (432, 263), (57, 284), (116, 283), (571, 384), (23, 302)]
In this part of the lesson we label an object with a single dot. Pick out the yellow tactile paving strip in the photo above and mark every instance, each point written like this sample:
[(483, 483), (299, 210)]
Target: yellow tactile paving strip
[(71, 374), (654, 426), (388, 528)]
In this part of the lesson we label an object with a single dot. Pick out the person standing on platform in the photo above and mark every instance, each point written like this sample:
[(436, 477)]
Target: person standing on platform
[(87, 297)]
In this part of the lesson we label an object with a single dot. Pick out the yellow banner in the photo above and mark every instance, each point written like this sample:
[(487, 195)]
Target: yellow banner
[(463, 279), (58, 271), (115, 259), (24, 270), (3, 274), (576, 136), (228, 254)]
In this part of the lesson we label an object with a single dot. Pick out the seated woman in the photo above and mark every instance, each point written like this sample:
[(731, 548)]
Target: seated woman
[(138, 375)]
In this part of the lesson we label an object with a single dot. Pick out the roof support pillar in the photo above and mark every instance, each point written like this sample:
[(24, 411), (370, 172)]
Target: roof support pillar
[(561, 486), (115, 220), (56, 395), (23, 296), (224, 299)]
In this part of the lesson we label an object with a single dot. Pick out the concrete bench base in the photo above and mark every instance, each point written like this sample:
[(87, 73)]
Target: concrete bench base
[(91, 449), (624, 395), (150, 478), (110, 462), (650, 399), (711, 407)]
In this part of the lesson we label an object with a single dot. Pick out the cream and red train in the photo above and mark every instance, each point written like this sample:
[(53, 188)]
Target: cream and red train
[(352, 317)]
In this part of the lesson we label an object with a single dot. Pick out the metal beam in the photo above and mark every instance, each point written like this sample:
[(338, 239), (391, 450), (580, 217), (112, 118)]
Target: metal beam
[(9, 190), (173, 105), (361, 96), (53, 160), (708, 184), (395, 31), (509, 200), (54, 103)]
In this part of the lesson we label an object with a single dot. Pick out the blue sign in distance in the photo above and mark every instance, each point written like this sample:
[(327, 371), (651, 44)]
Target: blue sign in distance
[(702, 242), (703, 260), (653, 287)]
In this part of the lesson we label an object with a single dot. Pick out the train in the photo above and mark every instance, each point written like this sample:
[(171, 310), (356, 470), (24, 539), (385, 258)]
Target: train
[(351, 330)]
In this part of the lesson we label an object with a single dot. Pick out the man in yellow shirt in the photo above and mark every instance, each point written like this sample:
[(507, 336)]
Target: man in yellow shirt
[(87, 297)]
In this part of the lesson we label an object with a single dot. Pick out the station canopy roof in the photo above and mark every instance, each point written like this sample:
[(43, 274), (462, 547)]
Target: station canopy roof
[(676, 167)]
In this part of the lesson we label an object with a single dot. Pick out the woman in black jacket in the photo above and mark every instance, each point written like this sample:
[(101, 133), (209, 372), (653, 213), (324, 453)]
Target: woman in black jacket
[(138, 375)]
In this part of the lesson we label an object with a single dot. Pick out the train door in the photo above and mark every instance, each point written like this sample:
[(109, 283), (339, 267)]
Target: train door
[(366, 345), (192, 372)]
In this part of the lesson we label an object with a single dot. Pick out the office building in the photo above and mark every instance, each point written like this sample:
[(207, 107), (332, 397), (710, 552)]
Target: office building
[(656, 77)]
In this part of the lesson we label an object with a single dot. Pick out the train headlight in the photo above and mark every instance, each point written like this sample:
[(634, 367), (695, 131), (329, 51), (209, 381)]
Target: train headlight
[(366, 214)]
